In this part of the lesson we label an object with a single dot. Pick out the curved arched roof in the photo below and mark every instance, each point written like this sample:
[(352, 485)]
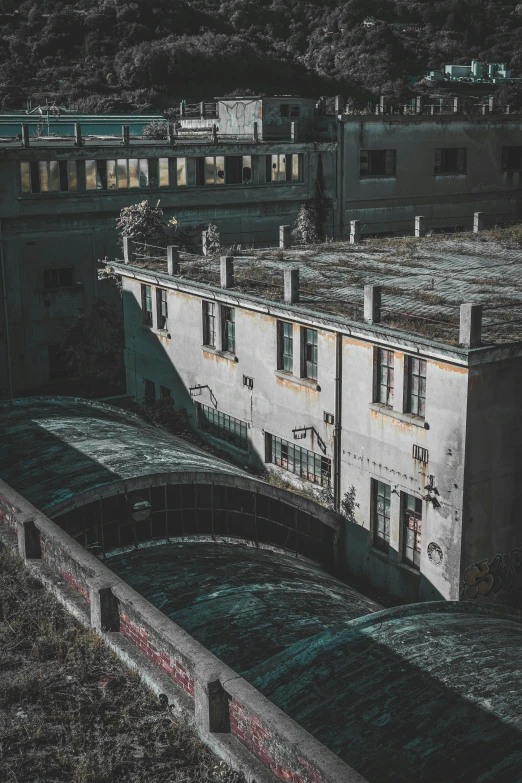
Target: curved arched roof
[(54, 448)]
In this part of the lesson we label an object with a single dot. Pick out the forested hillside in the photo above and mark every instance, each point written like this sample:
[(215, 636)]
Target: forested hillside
[(138, 54)]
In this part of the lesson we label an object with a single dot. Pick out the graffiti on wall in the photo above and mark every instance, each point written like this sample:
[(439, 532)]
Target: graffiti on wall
[(501, 574)]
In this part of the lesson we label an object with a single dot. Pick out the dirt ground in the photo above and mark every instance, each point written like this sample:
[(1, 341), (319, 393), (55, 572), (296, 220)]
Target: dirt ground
[(71, 712)]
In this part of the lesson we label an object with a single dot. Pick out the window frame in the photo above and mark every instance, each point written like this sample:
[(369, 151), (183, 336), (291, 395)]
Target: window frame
[(147, 317), (56, 272), (298, 460), (162, 308), (416, 400), (365, 163), (310, 351), (209, 323), (386, 389), (149, 391), (411, 532), (228, 329), (285, 358), (504, 161), (57, 173), (440, 165), (222, 426), (381, 490)]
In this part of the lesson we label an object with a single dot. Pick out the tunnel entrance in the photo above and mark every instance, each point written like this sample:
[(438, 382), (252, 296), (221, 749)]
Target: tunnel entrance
[(198, 509)]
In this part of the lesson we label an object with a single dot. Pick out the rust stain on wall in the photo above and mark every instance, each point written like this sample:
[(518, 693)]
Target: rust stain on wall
[(358, 343), (449, 367)]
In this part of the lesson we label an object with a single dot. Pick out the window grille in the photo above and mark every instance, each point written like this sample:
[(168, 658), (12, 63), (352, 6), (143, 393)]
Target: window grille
[(222, 426), (385, 376), (285, 346), (228, 316), (248, 382), (310, 353), (209, 324), (298, 460), (420, 454), (57, 278)]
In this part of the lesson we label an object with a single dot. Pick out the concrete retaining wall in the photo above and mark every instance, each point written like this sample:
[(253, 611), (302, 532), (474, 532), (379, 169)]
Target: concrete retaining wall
[(230, 715)]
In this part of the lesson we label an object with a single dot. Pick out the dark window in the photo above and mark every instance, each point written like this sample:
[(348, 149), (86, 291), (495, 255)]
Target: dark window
[(228, 316), (234, 169), (290, 110), (161, 295), (511, 158), (416, 385), (164, 392), (412, 529), (381, 515), (146, 304), (385, 377), (57, 278), (222, 426), (285, 360), (209, 324), (296, 459), (450, 160), (150, 391), (57, 363), (377, 163), (310, 353)]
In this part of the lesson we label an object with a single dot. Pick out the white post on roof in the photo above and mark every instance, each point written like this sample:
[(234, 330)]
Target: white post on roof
[(284, 237), (478, 222), (355, 232), (420, 227), (291, 278), (372, 304), (227, 271), (173, 260), (470, 325)]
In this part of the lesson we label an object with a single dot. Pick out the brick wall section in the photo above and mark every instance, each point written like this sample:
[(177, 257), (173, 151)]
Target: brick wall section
[(174, 668), (7, 513), (271, 751), (75, 585)]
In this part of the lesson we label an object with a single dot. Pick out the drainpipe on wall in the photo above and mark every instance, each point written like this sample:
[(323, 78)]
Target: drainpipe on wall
[(340, 182), (7, 339), (338, 414)]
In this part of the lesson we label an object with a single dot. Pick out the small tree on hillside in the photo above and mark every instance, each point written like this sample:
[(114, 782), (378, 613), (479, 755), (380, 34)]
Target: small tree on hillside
[(142, 222), (305, 227)]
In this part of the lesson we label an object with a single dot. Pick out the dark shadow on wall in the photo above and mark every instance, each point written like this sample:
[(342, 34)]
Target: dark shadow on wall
[(147, 357), (410, 694)]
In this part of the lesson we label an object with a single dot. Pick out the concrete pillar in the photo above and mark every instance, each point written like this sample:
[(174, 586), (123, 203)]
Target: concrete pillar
[(25, 135), (29, 545), (202, 109), (339, 104), (226, 271), (125, 135), (204, 242), (372, 304), (478, 222), (492, 104), (211, 710), (214, 134), (382, 105), (181, 109), (291, 277), (105, 610), (294, 131), (256, 132), (470, 325), (419, 104), (173, 260), (457, 105), (171, 137), (77, 135), (128, 253), (420, 227), (355, 232), (285, 238)]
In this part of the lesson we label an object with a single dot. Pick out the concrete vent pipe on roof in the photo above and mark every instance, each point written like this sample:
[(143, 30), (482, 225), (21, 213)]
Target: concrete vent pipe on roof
[(372, 304), (227, 271), (291, 277), (470, 325), (173, 260)]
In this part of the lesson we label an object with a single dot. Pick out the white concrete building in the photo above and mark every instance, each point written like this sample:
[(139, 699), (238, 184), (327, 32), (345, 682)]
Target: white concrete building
[(406, 401)]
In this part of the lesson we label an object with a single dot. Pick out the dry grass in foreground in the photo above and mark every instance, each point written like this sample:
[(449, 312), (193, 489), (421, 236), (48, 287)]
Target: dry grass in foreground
[(71, 712)]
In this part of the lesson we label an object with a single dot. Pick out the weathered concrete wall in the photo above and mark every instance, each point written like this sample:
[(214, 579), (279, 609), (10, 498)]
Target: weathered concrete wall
[(390, 203), (492, 539), (235, 720), (377, 441)]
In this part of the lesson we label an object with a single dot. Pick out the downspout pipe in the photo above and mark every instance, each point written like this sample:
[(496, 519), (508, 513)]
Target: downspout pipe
[(338, 416), (6, 318)]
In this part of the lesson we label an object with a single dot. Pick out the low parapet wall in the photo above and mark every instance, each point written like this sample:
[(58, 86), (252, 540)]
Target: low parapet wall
[(240, 724)]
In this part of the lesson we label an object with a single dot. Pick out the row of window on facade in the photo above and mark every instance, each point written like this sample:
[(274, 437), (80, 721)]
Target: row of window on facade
[(317, 469), (446, 160), (53, 176), (415, 373)]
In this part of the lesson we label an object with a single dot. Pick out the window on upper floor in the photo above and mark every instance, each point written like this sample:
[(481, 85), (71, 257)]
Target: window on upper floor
[(411, 529), (165, 392), (209, 324), (57, 363), (285, 346), (377, 163), (146, 304), (238, 169), (149, 391), (309, 338), (222, 426), (162, 308), (450, 160), (381, 515), (228, 329), (58, 278), (298, 460), (290, 110), (385, 376), (123, 173), (284, 167), (416, 386), (511, 159), (48, 176), (215, 170)]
